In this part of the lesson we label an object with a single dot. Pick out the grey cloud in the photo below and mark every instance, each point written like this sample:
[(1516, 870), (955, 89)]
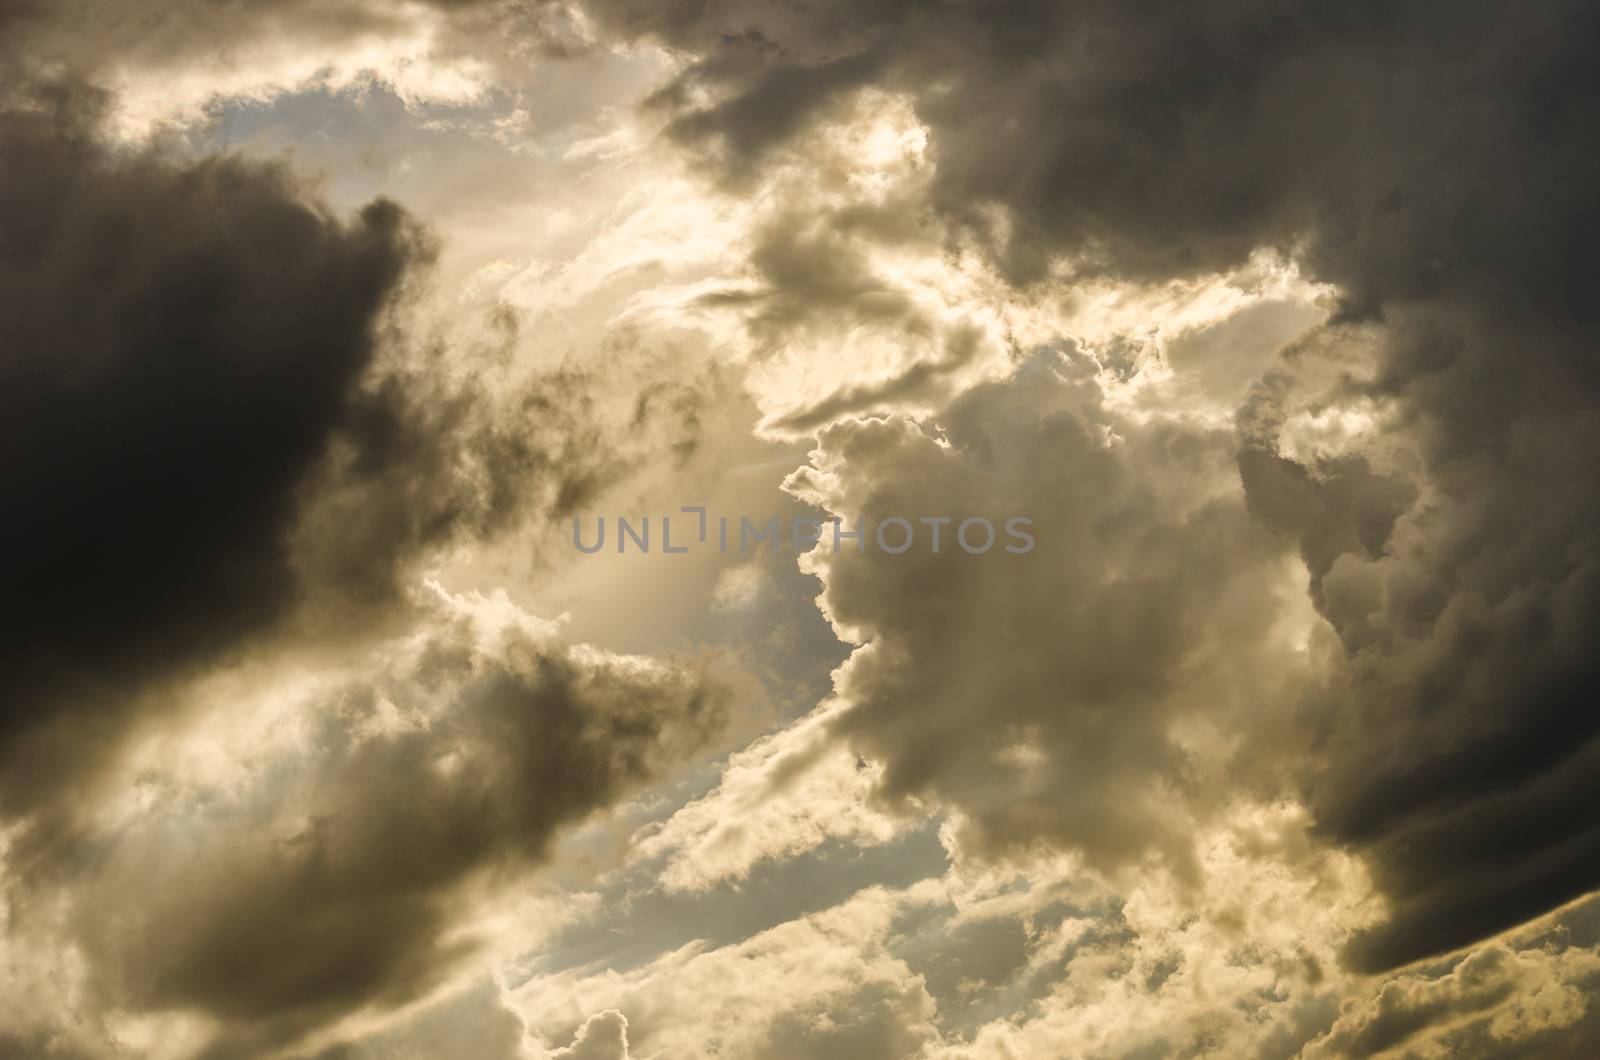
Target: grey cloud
[(1403, 1008), (779, 101), (812, 280), (41, 1043), (1165, 140), (1452, 745), (474, 1022), (184, 340), (810, 275), (1039, 693), (337, 880), (925, 382), (1432, 162), (1508, 999), (214, 436)]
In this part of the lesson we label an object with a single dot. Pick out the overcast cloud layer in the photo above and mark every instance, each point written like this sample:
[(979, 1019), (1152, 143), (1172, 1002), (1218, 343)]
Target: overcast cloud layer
[(321, 324)]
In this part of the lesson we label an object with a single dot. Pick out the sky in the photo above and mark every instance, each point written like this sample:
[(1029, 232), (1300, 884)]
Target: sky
[(389, 392)]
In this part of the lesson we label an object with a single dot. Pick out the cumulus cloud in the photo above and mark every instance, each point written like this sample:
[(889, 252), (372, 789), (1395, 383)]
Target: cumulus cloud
[(1503, 999), (340, 873), (1239, 959), (212, 428), (1458, 573), (1078, 693), (1428, 163), (235, 461), (186, 342), (603, 1036), (1270, 319)]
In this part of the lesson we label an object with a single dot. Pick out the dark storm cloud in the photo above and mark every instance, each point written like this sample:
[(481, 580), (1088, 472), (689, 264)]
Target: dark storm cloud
[(337, 878), (218, 443), (182, 343), (809, 276), (1406, 1007), (201, 447), (1527, 995), (779, 101), (1165, 138), (1456, 742), (1434, 161)]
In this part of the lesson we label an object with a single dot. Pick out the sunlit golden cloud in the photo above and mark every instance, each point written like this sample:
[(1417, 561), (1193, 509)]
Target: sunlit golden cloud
[(330, 331)]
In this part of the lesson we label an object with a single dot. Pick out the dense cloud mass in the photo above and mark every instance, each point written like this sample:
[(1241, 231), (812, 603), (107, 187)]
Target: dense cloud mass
[(339, 883), (1047, 707), (1458, 738), (207, 453), (183, 343), (1162, 139), (320, 323), (204, 444), (1430, 161)]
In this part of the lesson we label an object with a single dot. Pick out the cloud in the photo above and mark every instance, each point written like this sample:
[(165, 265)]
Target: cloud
[(817, 986), (1507, 996), (992, 258), (1460, 577), (1239, 959), (1428, 164), (780, 798), (1079, 694), (233, 464), (186, 342), (603, 1036), (225, 435), (1030, 959), (471, 1022), (1154, 141), (174, 61), (340, 873)]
